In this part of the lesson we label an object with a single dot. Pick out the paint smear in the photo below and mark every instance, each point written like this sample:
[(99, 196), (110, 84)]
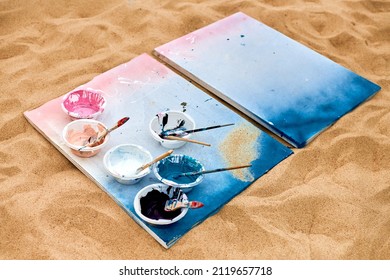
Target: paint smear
[(239, 148)]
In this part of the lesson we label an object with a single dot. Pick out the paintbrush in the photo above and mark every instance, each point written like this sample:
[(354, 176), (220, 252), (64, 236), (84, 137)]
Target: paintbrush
[(176, 132), (186, 140), (174, 204), (160, 157), (210, 171), (93, 140)]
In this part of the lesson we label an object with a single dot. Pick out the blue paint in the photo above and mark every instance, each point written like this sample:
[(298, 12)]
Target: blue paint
[(174, 165)]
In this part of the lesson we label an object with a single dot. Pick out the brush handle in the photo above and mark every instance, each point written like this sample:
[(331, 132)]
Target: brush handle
[(160, 157), (206, 128), (118, 124), (98, 137), (186, 140), (185, 132), (173, 204), (213, 171)]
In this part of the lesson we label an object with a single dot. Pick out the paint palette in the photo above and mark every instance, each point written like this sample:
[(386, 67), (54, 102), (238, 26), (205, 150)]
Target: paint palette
[(282, 85), (140, 89)]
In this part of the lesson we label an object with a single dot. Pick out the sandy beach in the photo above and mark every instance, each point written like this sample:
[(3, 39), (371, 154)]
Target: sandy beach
[(330, 200)]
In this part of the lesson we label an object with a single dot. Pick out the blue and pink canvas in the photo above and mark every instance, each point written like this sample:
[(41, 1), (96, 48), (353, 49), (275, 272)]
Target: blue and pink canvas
[(140, 89), (279, 83)]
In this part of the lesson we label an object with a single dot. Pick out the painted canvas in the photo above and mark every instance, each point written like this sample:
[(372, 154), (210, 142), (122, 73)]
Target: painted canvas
[(281, 84), (142, 88)]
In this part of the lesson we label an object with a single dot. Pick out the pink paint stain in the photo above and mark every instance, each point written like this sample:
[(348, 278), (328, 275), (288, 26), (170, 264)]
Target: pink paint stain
[(140, 71)]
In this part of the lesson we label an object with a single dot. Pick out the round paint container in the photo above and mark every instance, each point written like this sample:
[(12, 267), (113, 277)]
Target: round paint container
[(168, 169), (76, 135), (149, 204), (122, 161), (170, 121), (84, 104)]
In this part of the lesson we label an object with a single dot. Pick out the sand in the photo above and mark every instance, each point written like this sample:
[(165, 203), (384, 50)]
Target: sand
[(330, 200)]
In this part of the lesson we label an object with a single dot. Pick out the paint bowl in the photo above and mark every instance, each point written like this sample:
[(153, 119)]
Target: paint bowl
[(76, 134), (175, 118), (84, 104), (149, 204), (122, 161), (168, 168)]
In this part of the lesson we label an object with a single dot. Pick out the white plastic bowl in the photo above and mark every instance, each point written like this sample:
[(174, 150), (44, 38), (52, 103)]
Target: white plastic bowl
[(174, 117), (162, 189), (166, 169), (122, 161), (77, 132), (84, 104)]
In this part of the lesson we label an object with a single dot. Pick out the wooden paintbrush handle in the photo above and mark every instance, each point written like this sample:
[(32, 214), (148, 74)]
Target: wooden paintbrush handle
[(227, 168), (211, 171), (173, 204), (118, 124), (206, 128), (160, 157), (98, 137), (186, 140)]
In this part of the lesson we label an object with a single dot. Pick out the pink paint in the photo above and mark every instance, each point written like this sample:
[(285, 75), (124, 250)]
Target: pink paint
[(84, 104), (77, 133), (135, 74), (79, 138)]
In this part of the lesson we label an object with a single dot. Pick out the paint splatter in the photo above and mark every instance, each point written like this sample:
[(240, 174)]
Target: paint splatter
[(184, 105), (239, 148)]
